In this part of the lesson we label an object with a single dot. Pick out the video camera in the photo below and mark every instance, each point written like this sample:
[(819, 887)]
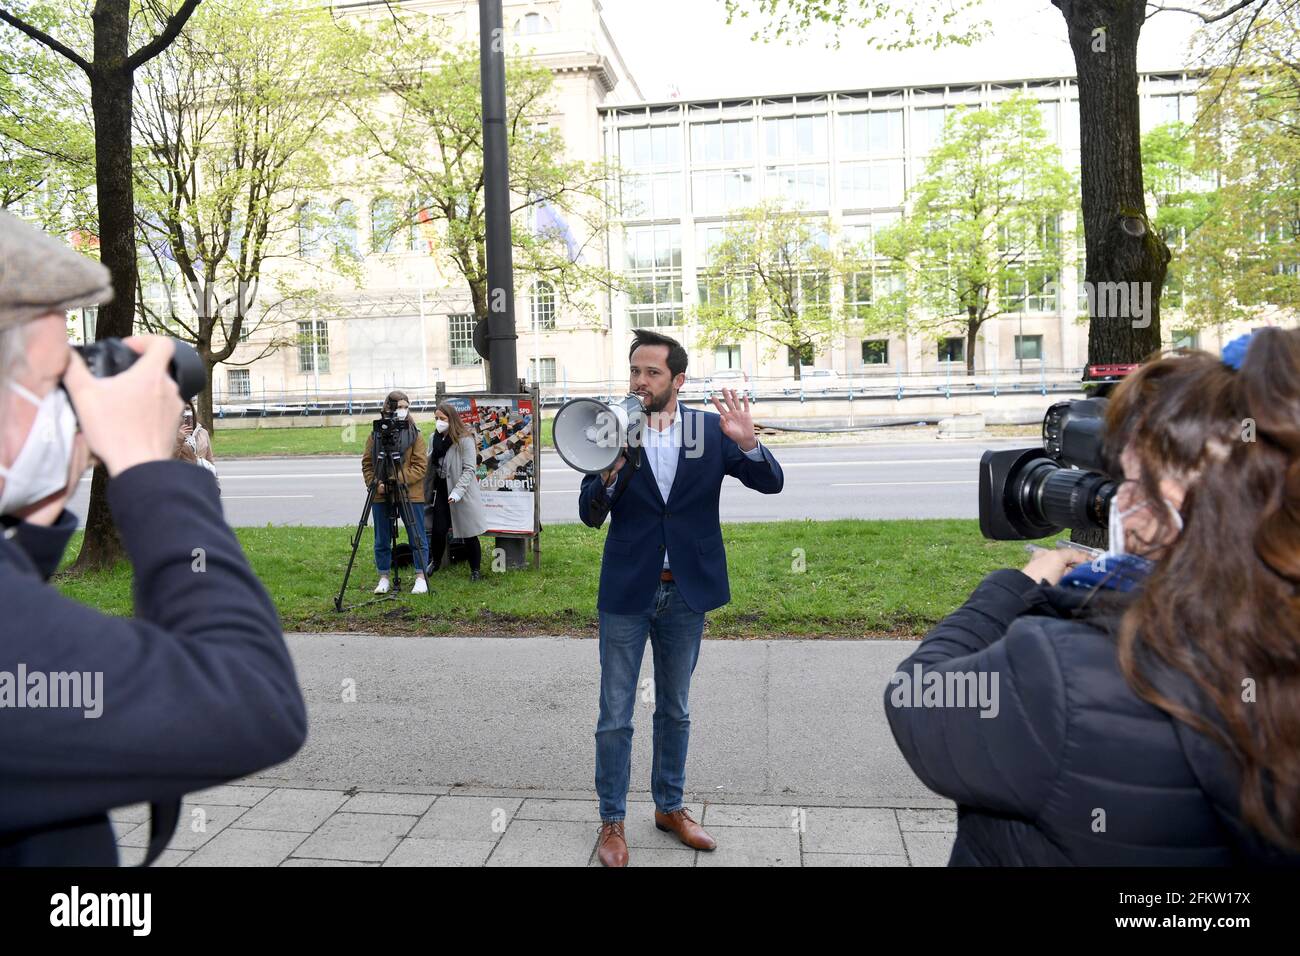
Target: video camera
[(1035, 492), (388, 432)]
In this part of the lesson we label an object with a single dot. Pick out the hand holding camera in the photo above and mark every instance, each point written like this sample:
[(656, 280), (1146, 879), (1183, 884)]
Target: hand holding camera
[(129, 418)]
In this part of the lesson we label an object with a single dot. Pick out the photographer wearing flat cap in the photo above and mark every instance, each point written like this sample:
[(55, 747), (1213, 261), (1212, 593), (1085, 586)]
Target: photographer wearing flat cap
[(98, 711)]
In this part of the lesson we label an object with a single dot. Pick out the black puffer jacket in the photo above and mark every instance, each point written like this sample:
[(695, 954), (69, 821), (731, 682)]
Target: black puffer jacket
[(1075, 768)]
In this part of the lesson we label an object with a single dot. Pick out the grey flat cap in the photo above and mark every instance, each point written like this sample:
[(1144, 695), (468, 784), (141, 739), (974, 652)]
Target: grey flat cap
[(40, 275)]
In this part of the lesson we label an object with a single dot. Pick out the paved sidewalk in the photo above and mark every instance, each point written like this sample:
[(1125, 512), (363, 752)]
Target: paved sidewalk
[(303, 826), (472, 751)]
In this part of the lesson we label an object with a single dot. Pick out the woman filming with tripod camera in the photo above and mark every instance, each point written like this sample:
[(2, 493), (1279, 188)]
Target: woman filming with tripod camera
[(409, 443)]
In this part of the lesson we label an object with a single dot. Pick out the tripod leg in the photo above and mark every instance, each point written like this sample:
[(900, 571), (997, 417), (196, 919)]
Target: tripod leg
[(356, 540)]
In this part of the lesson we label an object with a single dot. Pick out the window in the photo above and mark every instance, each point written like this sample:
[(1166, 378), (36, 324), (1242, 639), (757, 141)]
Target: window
[(726, 356), (927, 128), (313, 346), (871, 133), (871, 184), (460, 338), (1029, 348), (345, 228), (650, 146), (857, 295), (547, 371), (807, 186), (1036, 293), (420, 229), (652, 196), (791, 138), (1049, 112), (805, 355), (875, 352), (654, 267), (722, 142), (1186, 339), (714, 192), (237, 384), (310, 228), (1157, 111), (952, 350), (543, 306), (383, 226), (531, 24)]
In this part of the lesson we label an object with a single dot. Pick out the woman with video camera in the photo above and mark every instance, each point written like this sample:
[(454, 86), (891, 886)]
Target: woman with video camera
[(410, 445), (1146, 707)]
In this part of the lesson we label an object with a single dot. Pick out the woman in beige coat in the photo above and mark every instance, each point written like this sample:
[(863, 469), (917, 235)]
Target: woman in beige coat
[(451, 490)]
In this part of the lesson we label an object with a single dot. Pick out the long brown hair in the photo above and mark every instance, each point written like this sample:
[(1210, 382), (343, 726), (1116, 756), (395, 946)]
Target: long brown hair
[(1222, 606), (456, 429)]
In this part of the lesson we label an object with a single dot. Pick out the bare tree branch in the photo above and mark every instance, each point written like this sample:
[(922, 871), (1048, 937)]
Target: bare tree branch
[(169, 32), (45, 39)]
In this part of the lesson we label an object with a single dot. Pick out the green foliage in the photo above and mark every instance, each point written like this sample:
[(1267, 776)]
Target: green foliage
[(47, 151), (889, 26), (424, 127), (233, 131), (772, 274), (1240, 208), (984, 228)]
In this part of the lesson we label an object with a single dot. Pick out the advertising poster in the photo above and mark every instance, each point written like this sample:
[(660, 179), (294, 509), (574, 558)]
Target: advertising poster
[(502, 429)]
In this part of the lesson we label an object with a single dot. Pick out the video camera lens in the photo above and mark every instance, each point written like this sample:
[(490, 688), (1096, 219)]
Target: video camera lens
[(113, 356), (1033, 492)]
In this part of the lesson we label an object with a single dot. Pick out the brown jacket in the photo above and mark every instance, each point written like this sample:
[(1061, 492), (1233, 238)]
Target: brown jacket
[(414, 462), (184, 452)]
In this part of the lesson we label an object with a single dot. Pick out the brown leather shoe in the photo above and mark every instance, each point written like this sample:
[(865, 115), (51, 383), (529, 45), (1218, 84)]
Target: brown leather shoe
[(611, 846), (687, 830)]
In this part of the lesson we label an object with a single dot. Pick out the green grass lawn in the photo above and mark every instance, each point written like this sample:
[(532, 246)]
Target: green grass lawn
[(308, 440), (860, 578)]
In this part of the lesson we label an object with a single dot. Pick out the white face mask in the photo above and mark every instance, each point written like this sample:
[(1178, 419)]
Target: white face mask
[(1115, 522), (41, 466), (442, 425), (401, 414)]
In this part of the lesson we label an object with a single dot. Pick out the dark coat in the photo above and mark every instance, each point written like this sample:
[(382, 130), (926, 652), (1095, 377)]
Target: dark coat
[(643, 524), (198, 687), (1075, 768)]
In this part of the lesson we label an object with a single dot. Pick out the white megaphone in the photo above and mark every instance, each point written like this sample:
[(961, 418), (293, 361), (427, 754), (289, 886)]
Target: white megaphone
[(590, 434)]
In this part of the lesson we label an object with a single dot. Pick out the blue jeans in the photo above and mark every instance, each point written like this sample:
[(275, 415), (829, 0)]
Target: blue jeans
[(675, 632), (414, 531)]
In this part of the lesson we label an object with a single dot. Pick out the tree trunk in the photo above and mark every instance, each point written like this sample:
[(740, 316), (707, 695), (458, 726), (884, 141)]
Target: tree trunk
[(203, 401), (972, 332), (1126, 259), (110, 100), (1124, 253)]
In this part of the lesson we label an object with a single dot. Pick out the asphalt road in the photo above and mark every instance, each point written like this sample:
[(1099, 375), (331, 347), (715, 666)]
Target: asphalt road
[(896, 480), (792, 720)]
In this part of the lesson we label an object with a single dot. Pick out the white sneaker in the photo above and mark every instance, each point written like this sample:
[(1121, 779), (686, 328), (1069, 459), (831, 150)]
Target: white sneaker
[(421, 587), (382, 587)]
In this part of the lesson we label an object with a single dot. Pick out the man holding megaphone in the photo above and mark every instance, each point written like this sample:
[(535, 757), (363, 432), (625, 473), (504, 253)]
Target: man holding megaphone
[(664, 567)]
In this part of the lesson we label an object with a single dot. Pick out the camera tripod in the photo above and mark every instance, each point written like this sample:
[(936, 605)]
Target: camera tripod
[(390, 474)]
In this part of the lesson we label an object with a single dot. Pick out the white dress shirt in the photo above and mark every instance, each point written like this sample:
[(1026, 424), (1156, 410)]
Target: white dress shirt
[(662, 450)]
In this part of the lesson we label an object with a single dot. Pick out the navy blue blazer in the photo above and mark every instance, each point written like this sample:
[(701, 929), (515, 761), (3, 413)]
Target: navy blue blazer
[(643, 524)]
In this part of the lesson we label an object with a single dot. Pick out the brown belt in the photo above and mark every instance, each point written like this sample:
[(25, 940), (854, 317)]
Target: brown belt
[(665, 575)]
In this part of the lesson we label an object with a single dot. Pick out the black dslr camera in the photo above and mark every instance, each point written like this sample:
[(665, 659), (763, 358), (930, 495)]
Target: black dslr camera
[(113, 356), (1035, 492)]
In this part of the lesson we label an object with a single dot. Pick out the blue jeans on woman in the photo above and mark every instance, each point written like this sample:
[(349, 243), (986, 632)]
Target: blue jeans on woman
[(414, 532), (675, 632)]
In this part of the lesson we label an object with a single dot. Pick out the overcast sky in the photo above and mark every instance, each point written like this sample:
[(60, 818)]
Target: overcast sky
[(687, 43)]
